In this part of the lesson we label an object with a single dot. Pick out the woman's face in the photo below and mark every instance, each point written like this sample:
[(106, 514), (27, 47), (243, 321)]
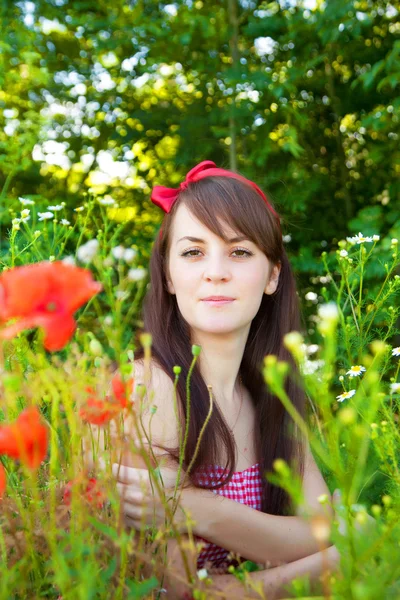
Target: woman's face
[(238, 269)]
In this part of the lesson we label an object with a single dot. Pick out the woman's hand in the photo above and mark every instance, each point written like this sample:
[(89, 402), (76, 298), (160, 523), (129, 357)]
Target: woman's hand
[(140, 499)]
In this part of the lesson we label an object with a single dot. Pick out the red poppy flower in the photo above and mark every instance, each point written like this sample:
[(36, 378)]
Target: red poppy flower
[(92, 493), (26, 439), (2, 480), (99, 412), (44, 295)]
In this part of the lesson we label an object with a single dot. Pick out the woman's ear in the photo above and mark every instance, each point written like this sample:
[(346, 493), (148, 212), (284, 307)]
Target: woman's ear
[(273, 279), (170, 287)]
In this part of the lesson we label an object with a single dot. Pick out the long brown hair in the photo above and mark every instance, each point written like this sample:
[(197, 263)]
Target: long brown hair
[(211, 200)]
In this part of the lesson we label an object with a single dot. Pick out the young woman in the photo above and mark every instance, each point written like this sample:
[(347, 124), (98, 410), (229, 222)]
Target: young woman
[(220, 279)]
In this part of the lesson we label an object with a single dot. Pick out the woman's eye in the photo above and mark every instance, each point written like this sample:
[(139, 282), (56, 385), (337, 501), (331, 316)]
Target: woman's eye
[(189, 253)]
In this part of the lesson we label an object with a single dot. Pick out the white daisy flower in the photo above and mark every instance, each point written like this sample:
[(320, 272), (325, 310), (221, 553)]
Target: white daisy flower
[(88, 251), (25, 215), (345, 395), (394, 388), (312, 296), (394, 241), (312, 366), (45, 216), (129, 255), (376, 238), (312, 348), (118, 252), (328, 312), (57, 207), (287, 238), (136, 274), (79, 208), (359, 239), (26, 201), (356, 371), (106, 201), (343, 253), (65, 222), (396, 351), (15, 224)]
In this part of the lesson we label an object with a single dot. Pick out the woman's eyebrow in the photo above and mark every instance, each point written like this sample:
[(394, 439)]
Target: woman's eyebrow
[(239, 238)]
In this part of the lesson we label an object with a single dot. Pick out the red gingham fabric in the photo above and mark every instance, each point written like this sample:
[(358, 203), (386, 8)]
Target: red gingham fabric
[(244, 487)]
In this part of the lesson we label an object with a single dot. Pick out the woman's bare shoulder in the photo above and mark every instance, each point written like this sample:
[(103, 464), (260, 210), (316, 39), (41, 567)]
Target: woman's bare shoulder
[(158, 408)]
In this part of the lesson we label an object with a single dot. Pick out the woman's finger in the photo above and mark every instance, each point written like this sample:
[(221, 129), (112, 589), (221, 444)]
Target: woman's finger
[(133, 512), (130, 475), (130, 494)]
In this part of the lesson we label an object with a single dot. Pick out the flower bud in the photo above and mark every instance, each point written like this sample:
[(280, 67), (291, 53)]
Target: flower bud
[(321, 528), (146, 339), (95, 348)]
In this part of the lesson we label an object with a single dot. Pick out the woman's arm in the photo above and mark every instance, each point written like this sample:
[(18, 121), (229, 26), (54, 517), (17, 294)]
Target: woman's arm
[(258, 536), (272, 583)]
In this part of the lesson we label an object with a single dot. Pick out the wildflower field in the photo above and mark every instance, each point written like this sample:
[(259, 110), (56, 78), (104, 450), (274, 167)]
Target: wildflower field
[(67, 348)]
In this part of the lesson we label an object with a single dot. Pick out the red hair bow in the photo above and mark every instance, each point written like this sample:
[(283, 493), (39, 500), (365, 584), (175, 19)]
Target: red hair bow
[(165, 197)]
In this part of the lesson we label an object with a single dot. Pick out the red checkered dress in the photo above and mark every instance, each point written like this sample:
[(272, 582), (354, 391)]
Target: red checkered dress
[(244, 487)]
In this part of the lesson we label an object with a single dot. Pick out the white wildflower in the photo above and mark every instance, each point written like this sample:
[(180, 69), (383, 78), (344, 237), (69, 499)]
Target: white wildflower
[(136, 274), (396, 351), (106, 201), (129, 255), (88, 251), (346, 395), (312, 349), (118, 252), (57, 207), (45, 216), (343, 253), (394, 242), (356, 371), (359, 239), (312, 296), (287, 238), (15, 224), (202, 574), (312, 366), (376, 238), (108, 320), (394, 388), (65, 222), (79, 208), (69, 260), (328, 312), (26, 201), (25, 215), (37, 233)]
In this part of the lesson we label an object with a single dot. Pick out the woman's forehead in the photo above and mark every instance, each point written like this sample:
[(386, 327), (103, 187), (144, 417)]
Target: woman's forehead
[(186, 224)]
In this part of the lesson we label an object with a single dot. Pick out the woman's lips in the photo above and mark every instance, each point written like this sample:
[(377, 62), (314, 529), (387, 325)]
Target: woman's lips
[(217, 302)]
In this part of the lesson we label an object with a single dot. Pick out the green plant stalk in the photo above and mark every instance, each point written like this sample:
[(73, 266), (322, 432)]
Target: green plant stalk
[(283, 397), (207, 419)]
